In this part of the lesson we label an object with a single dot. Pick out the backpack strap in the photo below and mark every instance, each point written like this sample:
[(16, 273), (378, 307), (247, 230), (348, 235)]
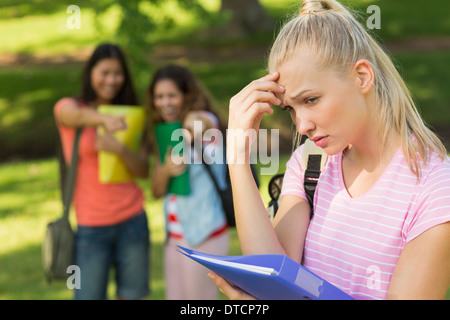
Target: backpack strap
[(71, 175), (313, 160)]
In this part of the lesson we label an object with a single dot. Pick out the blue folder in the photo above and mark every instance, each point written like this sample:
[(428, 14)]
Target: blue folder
[(269, 276)]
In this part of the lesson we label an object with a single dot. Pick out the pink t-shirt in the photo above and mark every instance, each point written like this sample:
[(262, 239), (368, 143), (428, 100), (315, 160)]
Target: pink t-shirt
[(355, 243), (96, 204)]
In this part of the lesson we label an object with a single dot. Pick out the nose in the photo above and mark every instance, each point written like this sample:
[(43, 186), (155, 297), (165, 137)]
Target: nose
[(304, 124), (165, 101), (110, 79)]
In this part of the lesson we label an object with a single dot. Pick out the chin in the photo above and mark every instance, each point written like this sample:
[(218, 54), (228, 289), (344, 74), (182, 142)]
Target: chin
[(169, 119), (333, 150), (108, 98)]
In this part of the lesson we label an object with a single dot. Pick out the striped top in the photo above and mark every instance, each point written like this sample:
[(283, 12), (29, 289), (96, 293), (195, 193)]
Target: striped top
[(355, 243)]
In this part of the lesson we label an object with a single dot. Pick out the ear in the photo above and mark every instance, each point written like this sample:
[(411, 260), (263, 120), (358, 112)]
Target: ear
[(364, 75)]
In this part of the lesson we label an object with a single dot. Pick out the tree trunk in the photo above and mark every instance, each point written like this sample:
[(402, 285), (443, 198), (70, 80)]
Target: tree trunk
[(247, 16)]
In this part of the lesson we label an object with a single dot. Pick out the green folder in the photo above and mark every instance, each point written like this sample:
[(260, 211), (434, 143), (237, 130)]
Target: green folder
[(163, 132)]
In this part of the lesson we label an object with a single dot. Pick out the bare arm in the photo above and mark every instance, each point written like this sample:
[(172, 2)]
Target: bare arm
[(72, 115), (290, 224), (423, 269), (256, 233)]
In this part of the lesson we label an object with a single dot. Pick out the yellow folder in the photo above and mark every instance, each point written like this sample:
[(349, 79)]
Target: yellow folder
[(111, 168)]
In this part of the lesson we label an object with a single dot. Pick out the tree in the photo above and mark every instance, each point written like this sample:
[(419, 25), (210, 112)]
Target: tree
[(246, 17)]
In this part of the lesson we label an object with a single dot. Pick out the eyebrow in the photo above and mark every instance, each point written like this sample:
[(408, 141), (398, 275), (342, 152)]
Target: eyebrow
[(298, 94)]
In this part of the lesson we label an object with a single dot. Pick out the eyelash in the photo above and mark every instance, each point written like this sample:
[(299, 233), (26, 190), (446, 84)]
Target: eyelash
[(307, 101), (311, 100), (287, 108)]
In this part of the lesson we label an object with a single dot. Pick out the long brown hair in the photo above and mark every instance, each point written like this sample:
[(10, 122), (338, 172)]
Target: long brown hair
[(126, 95), (195, 96)]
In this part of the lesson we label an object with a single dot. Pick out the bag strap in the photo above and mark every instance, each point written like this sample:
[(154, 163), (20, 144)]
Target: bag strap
[(70, 181), (313, 159), (208, 169), (312, 174)]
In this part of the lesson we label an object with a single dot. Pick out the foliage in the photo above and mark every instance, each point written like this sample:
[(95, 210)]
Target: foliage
[(135, 23)]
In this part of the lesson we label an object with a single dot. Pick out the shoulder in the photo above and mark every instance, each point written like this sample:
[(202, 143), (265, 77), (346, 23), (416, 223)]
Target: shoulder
[(66, 100), (295, 161), (63, 102), (436, 171), (432, 205)]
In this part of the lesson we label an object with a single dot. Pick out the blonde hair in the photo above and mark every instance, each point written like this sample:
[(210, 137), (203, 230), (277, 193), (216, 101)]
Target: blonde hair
[(329, 31)]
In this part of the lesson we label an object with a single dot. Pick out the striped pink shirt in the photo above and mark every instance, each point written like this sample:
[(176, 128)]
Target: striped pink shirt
[(355, 243)]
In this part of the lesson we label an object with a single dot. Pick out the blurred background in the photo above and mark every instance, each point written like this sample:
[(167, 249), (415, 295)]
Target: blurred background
[(224, 42)]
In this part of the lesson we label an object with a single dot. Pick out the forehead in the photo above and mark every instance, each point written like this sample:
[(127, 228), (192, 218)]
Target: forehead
[(302, 66), (108, 63), (300, 73), (166, 85)]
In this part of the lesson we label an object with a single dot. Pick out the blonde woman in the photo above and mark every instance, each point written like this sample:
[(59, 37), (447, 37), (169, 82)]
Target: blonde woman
[(381, 226)]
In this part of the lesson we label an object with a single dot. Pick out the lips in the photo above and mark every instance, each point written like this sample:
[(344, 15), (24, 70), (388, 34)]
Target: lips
[(320, 141)]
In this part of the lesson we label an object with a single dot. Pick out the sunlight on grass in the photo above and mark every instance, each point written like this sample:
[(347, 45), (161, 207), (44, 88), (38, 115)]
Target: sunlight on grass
[(17, 115), (21, 113), (29, 199), (48, 33)]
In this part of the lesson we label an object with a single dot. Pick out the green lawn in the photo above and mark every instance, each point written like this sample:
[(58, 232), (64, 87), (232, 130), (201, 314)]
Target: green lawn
[(29, 199), (29, 196)]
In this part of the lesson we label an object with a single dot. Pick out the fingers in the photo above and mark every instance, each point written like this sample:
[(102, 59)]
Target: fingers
[(258, 96), (232, 292), (173, 168), (265, 97), (114, 123), (107, 142), (249, 106), (265, 84)]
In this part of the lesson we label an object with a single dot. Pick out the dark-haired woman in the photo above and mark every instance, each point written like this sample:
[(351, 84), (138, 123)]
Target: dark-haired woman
[(112, 224), (196, 220)]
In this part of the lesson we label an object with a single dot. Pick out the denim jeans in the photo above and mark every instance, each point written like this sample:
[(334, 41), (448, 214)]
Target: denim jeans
[(124, 246)]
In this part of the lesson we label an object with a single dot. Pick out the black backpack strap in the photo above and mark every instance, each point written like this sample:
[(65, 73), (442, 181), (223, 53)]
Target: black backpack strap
[(312, 174)]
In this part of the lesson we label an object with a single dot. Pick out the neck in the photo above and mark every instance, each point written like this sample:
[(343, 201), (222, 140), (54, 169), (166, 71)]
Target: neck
[(99, 101), (369, 152)]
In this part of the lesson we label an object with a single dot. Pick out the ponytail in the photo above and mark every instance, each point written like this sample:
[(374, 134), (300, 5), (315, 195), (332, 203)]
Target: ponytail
[(328, 30)]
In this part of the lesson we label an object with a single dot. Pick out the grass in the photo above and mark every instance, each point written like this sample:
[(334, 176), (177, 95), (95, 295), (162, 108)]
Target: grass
[(29, 199), (29, 196)]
